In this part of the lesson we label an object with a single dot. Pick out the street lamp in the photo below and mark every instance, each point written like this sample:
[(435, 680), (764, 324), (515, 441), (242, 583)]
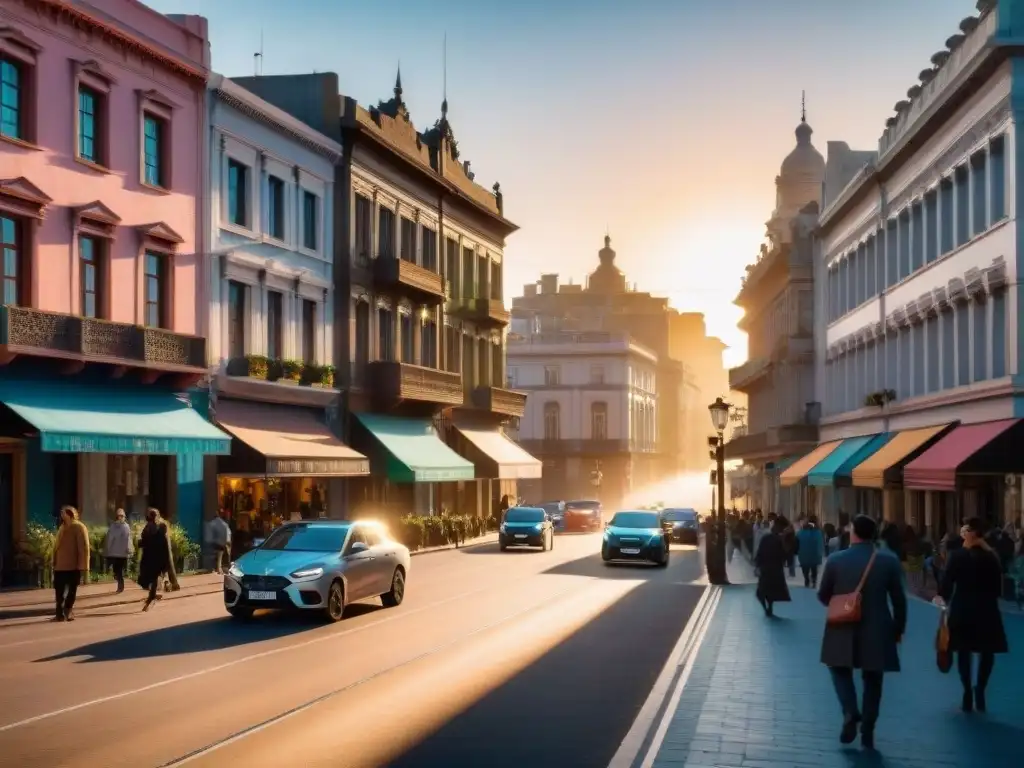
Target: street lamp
[(714, 540)]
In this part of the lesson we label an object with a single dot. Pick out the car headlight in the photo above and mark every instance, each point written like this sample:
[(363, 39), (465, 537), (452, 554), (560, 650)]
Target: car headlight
[(538, 527), (502, 528), (308, 574), (235, 571)]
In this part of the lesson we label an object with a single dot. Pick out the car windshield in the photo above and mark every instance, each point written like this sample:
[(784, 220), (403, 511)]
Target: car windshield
[(552, 507), (583, 504), (307, 538), (524, 515), (679, 515), (636, 520)]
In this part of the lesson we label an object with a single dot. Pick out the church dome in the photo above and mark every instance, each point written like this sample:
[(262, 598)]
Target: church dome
[(607, 278), (804, 162)]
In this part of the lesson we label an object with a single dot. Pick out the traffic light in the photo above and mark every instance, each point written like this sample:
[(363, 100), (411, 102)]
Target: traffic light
[(714, 477)]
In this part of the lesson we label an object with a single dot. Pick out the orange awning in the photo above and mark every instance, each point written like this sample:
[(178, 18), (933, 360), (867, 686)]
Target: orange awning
[(798, 469), (885, 467)]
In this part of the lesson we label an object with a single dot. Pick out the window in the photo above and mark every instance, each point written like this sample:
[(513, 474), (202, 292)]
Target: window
[(468, 371), (483, 369), (962, 184), (386, 233), (408, 240), (308, 331), (997, 159), (512, 378), (310, 221), (429, 248), (275, 342), (10, 242), (275, 208), (12, 100), (497, 366), (238, 193), (88, 125), (451, 266), (496, 294), (362, 333), (89, 278), (552, 375), (468, 274), (364, 207), (428, 344), (597, 374), (552, 421), (452, 350), (599, 421), (408, 342), (156, 277), (153, 150), (946, 217), (236, 320), (979, 193), (385, 334)]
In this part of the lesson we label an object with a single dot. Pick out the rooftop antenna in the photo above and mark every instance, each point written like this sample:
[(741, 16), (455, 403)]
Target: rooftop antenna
[(803, 106), (257, 58)]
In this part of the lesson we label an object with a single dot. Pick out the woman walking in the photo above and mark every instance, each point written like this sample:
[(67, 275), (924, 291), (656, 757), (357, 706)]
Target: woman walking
[(810, 551), (771, 559), (118, 547), (156, 555), (971, 586)]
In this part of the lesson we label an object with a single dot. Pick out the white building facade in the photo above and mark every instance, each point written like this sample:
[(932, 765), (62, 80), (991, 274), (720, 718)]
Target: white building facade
[(916, 279)]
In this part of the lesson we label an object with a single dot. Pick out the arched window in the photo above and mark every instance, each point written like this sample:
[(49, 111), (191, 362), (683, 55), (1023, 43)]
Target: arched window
[(599, 421), (552, 421)]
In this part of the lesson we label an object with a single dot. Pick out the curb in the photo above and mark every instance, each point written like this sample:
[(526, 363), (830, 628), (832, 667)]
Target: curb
[(647, 733), (478, 542)]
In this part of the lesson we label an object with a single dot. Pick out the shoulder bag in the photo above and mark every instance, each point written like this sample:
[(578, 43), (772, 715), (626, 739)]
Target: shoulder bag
[(845, 609)]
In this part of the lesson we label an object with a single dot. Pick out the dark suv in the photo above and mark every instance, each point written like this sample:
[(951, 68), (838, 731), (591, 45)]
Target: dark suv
[(584, 515), (681, 525)]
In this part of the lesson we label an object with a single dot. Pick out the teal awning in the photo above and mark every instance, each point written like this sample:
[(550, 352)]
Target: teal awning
[(780, 466), (110, 417), (412, 451), (825, 471), (844, 475)]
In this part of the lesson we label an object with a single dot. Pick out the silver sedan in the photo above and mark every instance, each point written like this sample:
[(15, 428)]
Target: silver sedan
[(318, 565)]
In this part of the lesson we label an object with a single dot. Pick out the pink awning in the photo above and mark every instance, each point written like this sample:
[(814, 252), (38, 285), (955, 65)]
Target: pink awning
[(935, 469)]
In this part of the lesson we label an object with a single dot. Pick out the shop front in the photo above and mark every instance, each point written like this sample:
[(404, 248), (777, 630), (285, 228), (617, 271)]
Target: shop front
[(284, 464), (804, 499), (832, 477)]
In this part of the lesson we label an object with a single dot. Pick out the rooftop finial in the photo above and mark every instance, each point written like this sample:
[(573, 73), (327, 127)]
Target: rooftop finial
[(398, 83), (803, 106), (444, 75)]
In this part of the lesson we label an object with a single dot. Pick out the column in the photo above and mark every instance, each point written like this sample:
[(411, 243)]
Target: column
[(222, 312)]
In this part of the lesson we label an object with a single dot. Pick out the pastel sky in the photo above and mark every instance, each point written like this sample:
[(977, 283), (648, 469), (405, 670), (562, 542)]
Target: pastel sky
[(664, 121)]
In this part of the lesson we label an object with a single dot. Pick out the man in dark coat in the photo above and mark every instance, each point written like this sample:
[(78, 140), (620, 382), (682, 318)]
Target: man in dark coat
[(870, 644)]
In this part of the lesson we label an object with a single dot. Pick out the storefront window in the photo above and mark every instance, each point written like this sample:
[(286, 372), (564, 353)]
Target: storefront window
[(255, 506)]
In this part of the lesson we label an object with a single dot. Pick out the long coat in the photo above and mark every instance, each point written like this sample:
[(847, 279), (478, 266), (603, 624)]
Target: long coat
[(869, 644), (812, 546), (771, 564), (971, 585), (156, 554)]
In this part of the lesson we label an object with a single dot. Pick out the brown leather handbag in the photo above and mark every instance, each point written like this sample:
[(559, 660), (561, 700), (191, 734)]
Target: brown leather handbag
[(845, 609)]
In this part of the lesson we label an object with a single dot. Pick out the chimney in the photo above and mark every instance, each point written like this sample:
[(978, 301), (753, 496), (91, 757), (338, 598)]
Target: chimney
[(549, 283)]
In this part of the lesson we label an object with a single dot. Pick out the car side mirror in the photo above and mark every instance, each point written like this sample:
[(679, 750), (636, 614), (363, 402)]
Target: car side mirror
[(357, 547), (257, 543)]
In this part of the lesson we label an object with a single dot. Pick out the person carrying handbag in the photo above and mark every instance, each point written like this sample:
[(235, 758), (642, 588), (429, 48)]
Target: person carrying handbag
[(862, 632)]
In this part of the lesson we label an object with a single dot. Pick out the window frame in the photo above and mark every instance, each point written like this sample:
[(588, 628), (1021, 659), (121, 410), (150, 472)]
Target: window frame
[(241, 323), (599, 408), (18, 242), (91, 77), (306, 196), (98, 263), (22, 52), (164, 320), (154, 106), (273, 215), (309, 319), (275, 334), (238, 194), (553, 411)]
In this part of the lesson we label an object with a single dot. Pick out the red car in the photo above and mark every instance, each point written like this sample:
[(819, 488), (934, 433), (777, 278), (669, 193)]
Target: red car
[(584, 515)]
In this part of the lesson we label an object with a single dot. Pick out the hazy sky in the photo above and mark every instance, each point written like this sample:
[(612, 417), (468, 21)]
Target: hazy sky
[(663, 120)]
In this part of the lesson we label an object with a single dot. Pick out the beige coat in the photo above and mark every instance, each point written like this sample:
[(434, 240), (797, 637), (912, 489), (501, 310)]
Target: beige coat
[(71, 550)]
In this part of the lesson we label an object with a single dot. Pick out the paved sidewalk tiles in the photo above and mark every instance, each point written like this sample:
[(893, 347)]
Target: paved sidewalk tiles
[(758, 697)]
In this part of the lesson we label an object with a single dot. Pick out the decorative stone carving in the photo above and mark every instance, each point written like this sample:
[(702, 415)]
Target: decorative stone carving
[(926, 305), (891, 326), (957, 291), (900, 105), (913, 91), (879, 329), (900, 317), (940, 299), (926, 75), (974, 282), (995, 275), (968, 24), (939, 58), (914, 316), (954, 41)]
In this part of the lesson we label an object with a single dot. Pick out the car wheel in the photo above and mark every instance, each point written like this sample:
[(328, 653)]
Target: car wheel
[(502, 546), (241, 613), (394, 597), (604, 555), (663, 563), (335, 602)]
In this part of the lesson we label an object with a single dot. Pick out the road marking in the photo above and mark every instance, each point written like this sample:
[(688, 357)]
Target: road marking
[(632, 744), (236, 662), (297, 710), (677, 693)]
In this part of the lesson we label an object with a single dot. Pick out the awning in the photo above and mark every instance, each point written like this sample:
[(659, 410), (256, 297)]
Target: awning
[(410, 451), (884, 467), (494, 455), (823, 473), (780, 466), (287, 442), (799, 469), (936, 468), (843, 477), (111, 417)]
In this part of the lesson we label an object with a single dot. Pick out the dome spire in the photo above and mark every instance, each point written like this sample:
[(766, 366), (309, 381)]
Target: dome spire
[(803, 130), (803, 106), (398, 84)]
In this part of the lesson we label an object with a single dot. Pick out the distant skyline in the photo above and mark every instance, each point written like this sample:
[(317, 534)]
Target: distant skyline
[(663, 122)]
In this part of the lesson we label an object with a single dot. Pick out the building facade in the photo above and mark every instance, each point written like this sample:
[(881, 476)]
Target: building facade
[(918, 280), (101, 169), (270, 315), (591, 415)]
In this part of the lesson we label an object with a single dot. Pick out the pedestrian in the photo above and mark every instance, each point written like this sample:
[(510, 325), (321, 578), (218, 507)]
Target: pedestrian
[(218, 536), (118, 547), (156, 555), (770, 562), (791, 545), (70, 562), (971, 587), (869, 643), (810, 551)]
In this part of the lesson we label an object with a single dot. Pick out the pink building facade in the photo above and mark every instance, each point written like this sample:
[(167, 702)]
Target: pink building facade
[(102, 126)]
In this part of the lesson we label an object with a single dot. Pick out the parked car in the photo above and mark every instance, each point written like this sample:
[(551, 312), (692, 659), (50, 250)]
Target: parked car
[(556, 511), (635, 536), (681, 524), (318, 565), (583, 515), (526, 527)]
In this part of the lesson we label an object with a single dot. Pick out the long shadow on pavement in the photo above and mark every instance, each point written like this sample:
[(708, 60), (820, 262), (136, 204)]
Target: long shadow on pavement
[(573, 706), (198, 636)]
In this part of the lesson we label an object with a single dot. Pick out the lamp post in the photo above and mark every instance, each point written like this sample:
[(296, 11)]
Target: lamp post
[(714, 540)]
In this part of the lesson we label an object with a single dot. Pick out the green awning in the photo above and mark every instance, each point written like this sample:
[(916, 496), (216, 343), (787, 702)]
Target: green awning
[(823, 473), (780, 466), (412, 451), (111, 417)]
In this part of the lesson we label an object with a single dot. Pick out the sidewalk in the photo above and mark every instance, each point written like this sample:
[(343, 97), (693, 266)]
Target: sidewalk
[(757, 697)]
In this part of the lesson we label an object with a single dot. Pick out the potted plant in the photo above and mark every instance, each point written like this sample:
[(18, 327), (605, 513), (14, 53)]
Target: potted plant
[(291, 371), (257, 366), (327, 376), (275, 370), (310, 375)]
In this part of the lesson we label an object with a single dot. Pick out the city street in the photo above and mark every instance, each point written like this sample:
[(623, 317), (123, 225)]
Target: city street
[(495, 659)]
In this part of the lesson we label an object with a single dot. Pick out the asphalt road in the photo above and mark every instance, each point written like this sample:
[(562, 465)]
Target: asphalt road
[(494, 659)]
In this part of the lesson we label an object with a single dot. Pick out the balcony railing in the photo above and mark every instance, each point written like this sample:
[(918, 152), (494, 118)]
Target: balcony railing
[(506, 402), (743, 376), (392, 382), (487, 312), (26, 331), (398, 275)]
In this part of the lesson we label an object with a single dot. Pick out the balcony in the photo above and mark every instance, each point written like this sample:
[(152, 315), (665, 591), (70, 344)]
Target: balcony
[(744, 377), (392, 382), (490, 313), (34, 332), (743, 446), (795, 433), (506, 402), (794, 349), (394, 275)]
